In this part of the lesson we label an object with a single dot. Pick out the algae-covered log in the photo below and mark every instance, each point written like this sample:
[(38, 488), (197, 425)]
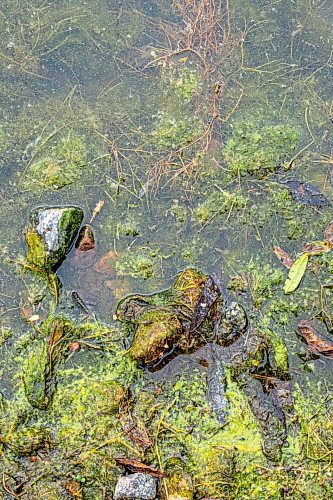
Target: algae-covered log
[(50, 234)]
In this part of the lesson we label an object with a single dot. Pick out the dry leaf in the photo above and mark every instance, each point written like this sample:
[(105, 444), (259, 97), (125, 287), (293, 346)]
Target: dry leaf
[(283, 257), (296, 273), (313, 339), (318, 247), (135, 466), (97, 209), (328, 233)]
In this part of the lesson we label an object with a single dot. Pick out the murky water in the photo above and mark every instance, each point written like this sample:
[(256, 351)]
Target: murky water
[(186, 128)]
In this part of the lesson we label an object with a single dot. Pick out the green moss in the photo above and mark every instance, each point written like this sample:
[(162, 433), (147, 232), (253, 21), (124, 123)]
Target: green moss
[(259, 150), (36, 252), (280, 353), (179, 483)]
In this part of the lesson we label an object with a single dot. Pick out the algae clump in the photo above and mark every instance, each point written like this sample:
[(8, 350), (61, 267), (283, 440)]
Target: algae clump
[(60, 164), (259, 150)]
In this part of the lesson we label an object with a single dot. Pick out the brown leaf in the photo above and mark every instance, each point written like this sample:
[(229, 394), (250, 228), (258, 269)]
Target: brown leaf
[(283, 257), (135, 466), (328, 233), (313, 339), (106, 265), (318, 247)]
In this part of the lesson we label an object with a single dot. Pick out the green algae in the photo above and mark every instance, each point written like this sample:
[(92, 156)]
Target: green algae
[(218, 203), (259, 151), (138, 263), (173, 131), (268, 217), (62, 164)]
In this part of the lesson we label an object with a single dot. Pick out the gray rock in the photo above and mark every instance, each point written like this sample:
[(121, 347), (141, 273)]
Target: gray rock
[(50, 234), (136, 486)]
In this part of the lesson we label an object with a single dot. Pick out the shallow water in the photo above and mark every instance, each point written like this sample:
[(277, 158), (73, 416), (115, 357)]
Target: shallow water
[(116, 102)]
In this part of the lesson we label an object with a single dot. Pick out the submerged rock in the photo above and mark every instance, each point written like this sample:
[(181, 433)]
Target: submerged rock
[(50, 234), (179, 481), (86, 239), (180, 319), (36, 376), (136, 486), (158, 332)]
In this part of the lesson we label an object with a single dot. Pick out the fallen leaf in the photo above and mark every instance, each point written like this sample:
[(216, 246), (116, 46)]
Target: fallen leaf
[(313, 339), (135, 466), (306, 193), (106, 265), (284, 257), (328, 233), (296, 273), (318, 247)]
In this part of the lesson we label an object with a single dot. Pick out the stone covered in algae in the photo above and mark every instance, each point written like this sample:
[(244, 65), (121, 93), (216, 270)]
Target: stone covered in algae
[(50, 234), (179, 481), (162, 320), (157, 333), (36, 373)]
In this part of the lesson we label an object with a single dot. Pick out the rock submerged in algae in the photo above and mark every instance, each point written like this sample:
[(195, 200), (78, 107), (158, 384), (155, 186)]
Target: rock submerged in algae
[(178, 320), (157, 333), (36, 376), (179, 480), (50, 234)]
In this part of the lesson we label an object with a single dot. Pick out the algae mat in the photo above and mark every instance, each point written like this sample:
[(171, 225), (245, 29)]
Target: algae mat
[(194, 135)]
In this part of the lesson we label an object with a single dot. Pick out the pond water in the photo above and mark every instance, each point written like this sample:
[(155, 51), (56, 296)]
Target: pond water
[(178, 128)]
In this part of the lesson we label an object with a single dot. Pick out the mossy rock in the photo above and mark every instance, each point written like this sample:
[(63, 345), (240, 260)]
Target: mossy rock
[(50, 234), (158, 331), (36, 373), (27, 440), (179, 481)]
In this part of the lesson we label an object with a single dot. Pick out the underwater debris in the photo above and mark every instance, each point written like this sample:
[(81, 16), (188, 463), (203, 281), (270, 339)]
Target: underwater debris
[(315, 342), (305, 193), (135, 466), (283, 257)]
